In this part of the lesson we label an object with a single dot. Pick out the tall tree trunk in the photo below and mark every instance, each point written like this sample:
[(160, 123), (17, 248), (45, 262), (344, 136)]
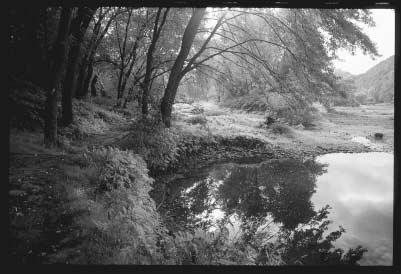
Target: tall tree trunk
[(93, 86), (79, 27), (176, 71), (84, 78), (122, 56), (83, 71), (88, 78), (59, 59), (119, 93), (149, 60)]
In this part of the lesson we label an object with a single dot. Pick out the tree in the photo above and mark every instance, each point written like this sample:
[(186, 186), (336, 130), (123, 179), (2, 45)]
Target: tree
[(78, 29), (284, 52), (60, 50), (145, 85), (104, 17), (176, 71)]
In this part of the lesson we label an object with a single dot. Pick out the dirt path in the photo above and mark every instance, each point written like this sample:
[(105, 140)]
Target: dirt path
[(40, 221)]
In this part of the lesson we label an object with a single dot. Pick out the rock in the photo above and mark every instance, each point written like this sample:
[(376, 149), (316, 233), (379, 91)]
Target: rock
[(378, 136)]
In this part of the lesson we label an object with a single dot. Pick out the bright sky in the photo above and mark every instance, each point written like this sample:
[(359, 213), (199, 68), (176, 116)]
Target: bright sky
[(383, 34)]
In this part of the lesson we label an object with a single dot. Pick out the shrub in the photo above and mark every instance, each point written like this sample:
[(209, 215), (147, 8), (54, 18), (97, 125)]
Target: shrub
[(249, 103), (103, 101), (278, 128), (197, 110), (214, 113), (122, 224), (156, 144), (198, 119), (294, 115), (312, 245), (209, 248), (90, 119)]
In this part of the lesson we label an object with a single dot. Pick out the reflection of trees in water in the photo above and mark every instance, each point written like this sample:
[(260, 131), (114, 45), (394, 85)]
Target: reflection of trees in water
[(280, 189), (308, 246)]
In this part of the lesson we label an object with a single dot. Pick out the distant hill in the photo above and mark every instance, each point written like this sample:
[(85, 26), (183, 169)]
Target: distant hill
[(343, 74), (377, 84)]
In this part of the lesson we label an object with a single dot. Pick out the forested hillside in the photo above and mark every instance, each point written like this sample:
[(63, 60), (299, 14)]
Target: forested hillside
[(377, 84), (343, 74)]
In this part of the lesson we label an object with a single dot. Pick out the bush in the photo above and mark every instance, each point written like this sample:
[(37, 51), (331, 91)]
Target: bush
[(214, 113), (197, 110), (345, 102), (209, 248), (278, 128), (162, 148), (248, 103), (198, 119), (121, 225), (90, 119), (103, 101), (294, 116), (156, 144)]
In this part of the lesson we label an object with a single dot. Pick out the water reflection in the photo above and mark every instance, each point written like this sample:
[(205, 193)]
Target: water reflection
[(359, 187), (283, 198), (281, 188), (278, 189)]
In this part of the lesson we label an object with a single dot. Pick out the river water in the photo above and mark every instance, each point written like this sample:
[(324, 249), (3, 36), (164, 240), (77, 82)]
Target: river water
[(287, 194)]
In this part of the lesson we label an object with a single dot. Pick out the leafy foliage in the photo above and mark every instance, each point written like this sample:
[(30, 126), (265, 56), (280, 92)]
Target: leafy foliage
[(90, 119), (278, 128), (248, 103), (122, 224), (309, 246), (157, 145), (198, 119)]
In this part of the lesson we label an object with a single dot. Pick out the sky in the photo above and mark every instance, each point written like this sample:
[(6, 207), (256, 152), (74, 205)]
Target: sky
[(383, 34)]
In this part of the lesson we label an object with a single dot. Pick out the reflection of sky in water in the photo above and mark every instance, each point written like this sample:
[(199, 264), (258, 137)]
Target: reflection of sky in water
[(359, 188)]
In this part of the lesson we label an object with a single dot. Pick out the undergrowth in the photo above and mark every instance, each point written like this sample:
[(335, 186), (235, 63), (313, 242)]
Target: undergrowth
[(121, 223), (90, 118), (122, 226), (162, 148), (248, 103)]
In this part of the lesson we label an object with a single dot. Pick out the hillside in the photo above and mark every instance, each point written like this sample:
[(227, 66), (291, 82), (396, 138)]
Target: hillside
[(343, 74), (377, 84)]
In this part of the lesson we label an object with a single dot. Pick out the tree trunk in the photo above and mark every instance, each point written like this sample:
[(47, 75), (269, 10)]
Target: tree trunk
[(82, 77), (119, 93), (88, 76), (175, 74), (149, 60), (80, 24), (59, 59), (93, 86)]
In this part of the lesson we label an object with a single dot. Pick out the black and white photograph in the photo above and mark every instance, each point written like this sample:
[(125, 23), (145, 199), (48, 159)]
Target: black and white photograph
[(201, 135)]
